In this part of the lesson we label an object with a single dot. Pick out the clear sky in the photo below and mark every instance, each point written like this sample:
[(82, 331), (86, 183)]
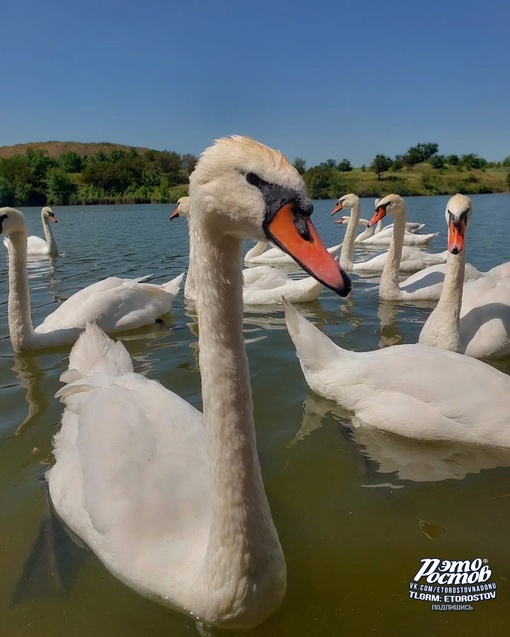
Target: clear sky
[(319, 80)]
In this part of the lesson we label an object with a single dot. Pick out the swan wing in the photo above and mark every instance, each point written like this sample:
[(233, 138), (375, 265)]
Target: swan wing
[(114, 304), (36, 245), (132, 473)]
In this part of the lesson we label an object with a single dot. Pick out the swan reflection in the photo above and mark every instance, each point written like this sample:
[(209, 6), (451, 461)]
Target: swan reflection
[(405, 458)]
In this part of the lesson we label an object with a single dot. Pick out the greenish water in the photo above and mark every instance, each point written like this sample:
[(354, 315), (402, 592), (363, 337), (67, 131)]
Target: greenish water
[(355, 515)]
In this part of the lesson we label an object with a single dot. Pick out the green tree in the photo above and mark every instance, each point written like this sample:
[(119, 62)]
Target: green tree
[(451, 160), (419, 153), (300, 165), (344, 166), (437, 161), (71, 162), (380, 164), (60, 188), (472, 160)]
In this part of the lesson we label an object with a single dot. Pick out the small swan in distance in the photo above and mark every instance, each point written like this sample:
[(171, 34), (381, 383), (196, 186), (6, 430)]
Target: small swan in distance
[(409, 259), (42, 247)]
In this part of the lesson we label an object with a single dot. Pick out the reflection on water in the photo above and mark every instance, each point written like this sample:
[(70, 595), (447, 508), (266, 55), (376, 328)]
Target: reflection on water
[(356, 510)]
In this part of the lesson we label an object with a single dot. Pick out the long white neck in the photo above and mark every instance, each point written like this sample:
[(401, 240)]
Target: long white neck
[(50, 239), (190, 291), (347, 253), (18, 309), (243, 547), (442, 328), (388, 286)]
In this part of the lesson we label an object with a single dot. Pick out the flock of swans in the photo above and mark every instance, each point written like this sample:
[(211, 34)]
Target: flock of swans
[(172, 500)]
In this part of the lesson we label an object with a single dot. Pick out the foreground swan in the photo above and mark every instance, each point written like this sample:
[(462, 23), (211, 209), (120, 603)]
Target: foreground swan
[(170, 500), (115, 304), (41, 247), (263, 285), (410, 390), (474, 318), (409, 259)]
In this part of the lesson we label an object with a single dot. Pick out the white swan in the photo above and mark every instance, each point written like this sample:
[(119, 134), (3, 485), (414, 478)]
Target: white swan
[(170, 500), (385, 237), (410, 259), (368, 231), (41, 247), (474, 318), (263, 285), (114, 303), (381, 236), (415, 391), (426, 284)]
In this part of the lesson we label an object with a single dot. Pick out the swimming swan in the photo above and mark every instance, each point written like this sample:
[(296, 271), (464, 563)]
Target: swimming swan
[(263, 285), (115, 304), (471, 318), (41, 247), (410, 259), (379, 236), (425, 285), (415, 391), (170, 500)]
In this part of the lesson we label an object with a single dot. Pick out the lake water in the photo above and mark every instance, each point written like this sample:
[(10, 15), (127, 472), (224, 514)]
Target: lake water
[(355, 516)]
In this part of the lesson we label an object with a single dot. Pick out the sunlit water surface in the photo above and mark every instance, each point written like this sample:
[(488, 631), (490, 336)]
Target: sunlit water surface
[(355, 515)]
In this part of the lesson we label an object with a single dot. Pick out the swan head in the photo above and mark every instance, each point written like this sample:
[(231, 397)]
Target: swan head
[(182, 208), (12, 221), (389, 205), (242, 188), (49, 214), (457, 214), (346, 201), (344, 219)]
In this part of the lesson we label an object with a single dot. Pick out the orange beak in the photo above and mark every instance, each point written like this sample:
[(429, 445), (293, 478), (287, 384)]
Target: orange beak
[(306, 248), (336, 209), (53, 218), (456, 236), (174, 214), (380, 213), (339, 220)]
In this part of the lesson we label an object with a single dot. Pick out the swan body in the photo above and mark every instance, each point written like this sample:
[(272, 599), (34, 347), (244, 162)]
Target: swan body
[(263, 285), (169, 499), (42, 247), (410, 259), (260, 253), (385, 237), (471, 318), (115, 304), (414, 391)]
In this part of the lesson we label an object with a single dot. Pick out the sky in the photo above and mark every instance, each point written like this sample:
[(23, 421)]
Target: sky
[(318, 80)]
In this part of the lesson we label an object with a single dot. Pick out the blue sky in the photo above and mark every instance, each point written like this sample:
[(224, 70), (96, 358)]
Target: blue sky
[(319, 80)]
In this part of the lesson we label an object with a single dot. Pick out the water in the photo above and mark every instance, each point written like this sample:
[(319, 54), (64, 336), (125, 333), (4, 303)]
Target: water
[(354, 524)]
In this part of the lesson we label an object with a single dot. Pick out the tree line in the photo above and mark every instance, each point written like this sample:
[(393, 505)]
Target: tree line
[(129, 176), (122, 176), (330, 178)]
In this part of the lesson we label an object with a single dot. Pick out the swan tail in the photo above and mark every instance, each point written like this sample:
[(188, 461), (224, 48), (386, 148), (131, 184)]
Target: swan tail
[(94, 352), (313, 348), (174, 285)]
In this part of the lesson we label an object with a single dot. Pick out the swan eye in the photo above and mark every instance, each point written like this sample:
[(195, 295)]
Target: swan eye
[(255, 180)]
